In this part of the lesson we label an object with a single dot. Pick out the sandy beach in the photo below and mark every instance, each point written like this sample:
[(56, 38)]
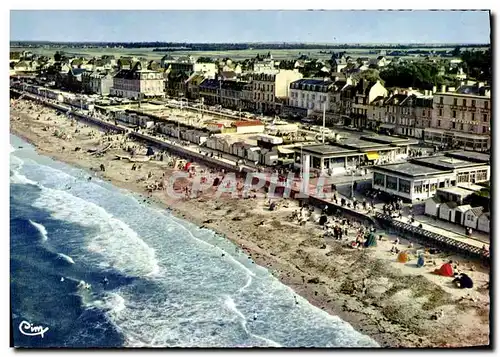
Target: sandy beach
[(394, 303)]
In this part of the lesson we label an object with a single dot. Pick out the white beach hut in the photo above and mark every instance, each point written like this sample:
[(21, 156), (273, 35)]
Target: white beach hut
[(483, 223), (432, 206), (472, 216)]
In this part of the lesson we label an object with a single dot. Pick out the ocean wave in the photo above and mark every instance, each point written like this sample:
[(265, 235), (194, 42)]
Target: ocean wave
[(66, 258), (119, 245), (230, 304), (41, 228), (21, 179)]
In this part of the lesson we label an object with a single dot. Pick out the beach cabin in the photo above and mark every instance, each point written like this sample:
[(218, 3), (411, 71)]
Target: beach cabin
[(483, 222), (460, 213), (447, 211), (253, 154), (432, 206), (472, 216)]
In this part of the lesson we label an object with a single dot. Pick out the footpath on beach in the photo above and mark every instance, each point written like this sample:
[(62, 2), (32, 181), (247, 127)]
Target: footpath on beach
[(419, 230)]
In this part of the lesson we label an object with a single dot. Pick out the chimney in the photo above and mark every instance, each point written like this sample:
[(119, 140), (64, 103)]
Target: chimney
[(434, 89), (443, 88)]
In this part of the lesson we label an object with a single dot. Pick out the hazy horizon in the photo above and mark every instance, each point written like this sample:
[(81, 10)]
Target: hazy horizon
[(332, 27)]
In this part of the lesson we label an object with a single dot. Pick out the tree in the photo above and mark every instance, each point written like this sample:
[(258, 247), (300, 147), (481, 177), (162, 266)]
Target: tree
[(371, 75), (205, 60), (456, 52), (58, 56)]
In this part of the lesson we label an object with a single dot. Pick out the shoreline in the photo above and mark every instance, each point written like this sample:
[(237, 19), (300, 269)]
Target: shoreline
[(338, 283)]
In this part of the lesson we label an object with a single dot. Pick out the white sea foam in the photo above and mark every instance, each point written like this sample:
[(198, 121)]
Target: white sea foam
[(120, 246), (41, 228), (232, 306), (66, 258), (12, 149), (112, 303)]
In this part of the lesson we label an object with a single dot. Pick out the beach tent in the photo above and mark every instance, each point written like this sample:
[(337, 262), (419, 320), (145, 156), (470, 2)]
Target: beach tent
[(187, 166), (445, 270), (371, 241), (403, 257)]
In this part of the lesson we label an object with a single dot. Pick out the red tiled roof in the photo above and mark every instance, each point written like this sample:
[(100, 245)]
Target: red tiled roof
[(247, 123)]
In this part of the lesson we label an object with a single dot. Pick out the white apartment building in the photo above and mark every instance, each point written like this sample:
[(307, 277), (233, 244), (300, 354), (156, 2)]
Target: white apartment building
[(311, 94)]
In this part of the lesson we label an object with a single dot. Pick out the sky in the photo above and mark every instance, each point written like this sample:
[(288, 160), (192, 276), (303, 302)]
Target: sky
[(230, 26)]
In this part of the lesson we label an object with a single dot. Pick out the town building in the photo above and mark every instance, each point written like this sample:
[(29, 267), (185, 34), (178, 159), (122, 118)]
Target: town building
[(97, 82), (311, 94), (362, 95), (461, 119), (419, 179), (269, 88), (138, 83)]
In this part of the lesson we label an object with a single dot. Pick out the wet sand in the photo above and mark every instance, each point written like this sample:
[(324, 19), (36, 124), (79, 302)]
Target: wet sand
[(392, 302)]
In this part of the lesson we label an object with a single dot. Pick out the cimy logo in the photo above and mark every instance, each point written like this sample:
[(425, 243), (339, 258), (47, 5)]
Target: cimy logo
[(28, 329)]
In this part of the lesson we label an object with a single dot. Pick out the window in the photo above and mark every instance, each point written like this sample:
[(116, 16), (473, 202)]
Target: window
[(473, 116), (464, 102), (439, 122), (485, 117), (417, 187), (455, 101), (486, 105), (440, 100), (440, 112), (461, 126), (473, 103), (433, 187), (441, 184), (453, 125), (454, 114), (481, 175), (423, 113), (485, 129), (463, 177), (391, 182), (378, 179), (404, 186)]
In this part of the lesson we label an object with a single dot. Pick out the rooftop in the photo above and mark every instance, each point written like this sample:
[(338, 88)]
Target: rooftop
[(386, 139), (469, 155), (409, 169), (355, 143), (456, 191), (326, 150), (445, 162)]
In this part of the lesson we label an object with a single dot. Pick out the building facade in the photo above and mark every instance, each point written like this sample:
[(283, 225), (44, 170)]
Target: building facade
[(268, 88), (137, 83), (460, 121), (311, 94)]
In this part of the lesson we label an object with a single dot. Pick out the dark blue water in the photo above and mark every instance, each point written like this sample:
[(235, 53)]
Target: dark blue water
[(169, 283)]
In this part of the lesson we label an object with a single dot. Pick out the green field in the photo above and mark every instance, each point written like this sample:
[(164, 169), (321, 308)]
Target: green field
[(237, 55)]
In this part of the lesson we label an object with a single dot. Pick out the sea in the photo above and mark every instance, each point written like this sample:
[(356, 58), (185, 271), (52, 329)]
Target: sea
[(99, 267)]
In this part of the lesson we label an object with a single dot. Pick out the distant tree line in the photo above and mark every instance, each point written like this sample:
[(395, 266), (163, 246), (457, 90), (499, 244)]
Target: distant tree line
[(184, 46)]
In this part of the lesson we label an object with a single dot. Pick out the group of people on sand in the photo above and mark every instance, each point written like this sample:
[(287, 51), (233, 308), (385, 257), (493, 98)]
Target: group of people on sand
[(460, 279)]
